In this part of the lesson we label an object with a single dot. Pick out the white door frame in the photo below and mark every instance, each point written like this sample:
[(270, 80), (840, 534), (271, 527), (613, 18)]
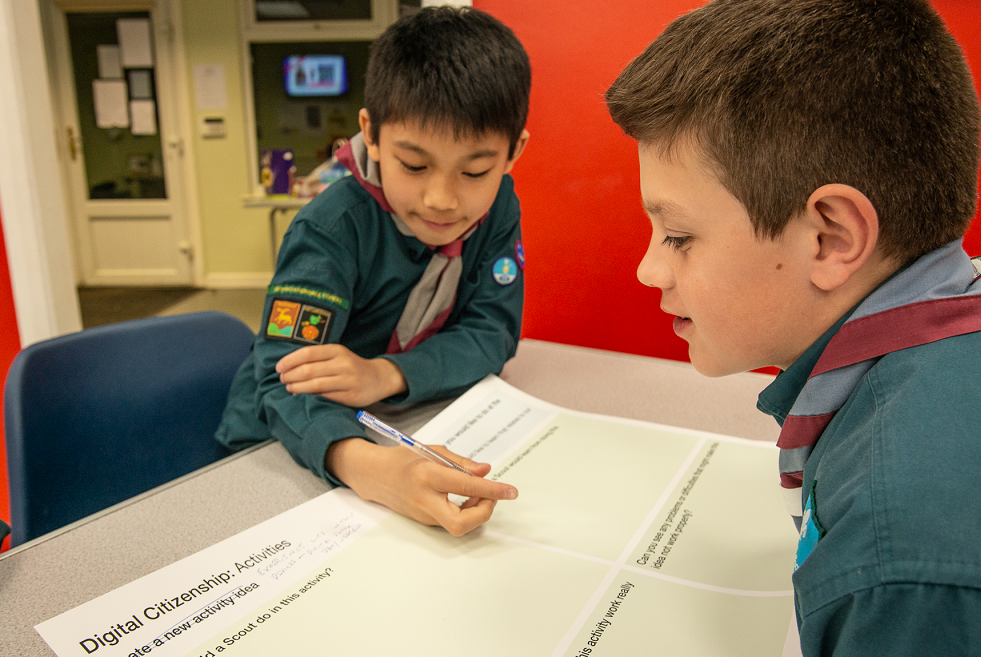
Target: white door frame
[(33, 202), (175, 141), (184, 127)]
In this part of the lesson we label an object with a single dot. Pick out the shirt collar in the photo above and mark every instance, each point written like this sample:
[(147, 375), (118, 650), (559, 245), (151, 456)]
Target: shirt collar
[(778, 397)]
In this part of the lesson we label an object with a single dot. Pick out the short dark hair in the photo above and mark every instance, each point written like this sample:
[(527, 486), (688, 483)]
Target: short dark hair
[(458, 68), (784, 96)]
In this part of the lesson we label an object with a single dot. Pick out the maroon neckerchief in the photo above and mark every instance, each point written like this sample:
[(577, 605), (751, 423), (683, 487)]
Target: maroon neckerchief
[(872, 337), (937, 297)]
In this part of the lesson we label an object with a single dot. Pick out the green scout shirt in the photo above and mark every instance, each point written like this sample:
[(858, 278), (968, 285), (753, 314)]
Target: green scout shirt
[(895, 476), (344, 267)]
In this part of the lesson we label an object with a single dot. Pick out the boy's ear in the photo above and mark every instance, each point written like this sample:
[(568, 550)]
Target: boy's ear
[(519, 147), (843, 229), (364, 121)]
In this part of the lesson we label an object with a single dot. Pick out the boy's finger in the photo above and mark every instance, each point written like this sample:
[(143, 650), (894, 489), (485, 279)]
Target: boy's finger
[(469, 502), (477, 468), (459, 521), (309, 371), (304, 355), (318, 386), (457, 483), (301, 372)]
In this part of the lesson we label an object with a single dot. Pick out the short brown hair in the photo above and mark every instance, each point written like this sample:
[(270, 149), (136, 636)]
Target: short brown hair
[(784, 96)]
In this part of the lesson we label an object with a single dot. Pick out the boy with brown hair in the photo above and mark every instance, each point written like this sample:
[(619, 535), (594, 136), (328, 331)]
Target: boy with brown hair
[(810, 168)]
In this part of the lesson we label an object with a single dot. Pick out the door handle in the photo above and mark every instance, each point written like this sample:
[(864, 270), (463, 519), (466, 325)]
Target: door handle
[(72, 149), (177, 144)]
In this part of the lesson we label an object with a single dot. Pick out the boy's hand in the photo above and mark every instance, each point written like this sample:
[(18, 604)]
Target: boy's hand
[(416, 487), (335, 372)]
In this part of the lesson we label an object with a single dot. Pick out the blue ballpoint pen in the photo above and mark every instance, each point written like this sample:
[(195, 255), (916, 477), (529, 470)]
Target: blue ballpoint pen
[(371, 421)]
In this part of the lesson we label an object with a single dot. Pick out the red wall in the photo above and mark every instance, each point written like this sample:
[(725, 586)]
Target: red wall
[(584, 229), (9, 346), (963, 18)]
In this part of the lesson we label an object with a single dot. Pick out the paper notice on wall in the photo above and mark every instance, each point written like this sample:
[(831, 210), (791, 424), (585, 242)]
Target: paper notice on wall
[(135, 46), (209, 87), (110, 66), (110, 103), (144, 117)]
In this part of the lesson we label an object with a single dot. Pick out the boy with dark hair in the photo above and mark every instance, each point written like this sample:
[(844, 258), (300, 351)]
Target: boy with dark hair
[(401, 282), (809, 168)]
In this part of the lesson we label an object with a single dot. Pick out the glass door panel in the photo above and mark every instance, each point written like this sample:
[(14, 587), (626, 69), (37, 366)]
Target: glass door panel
[(115, 88)]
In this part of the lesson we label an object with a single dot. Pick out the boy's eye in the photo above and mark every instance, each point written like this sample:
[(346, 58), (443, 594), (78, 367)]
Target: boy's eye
[(412, 169), (676, 243), (476, 175)]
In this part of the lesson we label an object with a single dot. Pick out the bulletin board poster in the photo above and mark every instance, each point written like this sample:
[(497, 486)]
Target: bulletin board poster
[(627, 538)]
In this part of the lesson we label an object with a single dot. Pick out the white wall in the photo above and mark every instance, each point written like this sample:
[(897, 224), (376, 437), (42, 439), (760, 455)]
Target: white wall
[(33, 203)]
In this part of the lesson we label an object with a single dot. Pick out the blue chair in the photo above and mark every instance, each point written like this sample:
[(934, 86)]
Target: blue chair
[(96, 417)]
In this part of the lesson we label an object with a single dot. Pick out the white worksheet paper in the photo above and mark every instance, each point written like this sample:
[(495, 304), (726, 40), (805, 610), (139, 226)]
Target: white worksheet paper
[(627, 538)]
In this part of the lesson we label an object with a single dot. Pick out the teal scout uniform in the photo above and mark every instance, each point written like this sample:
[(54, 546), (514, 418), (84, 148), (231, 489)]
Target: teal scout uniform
[(890, 559), (343, 276)]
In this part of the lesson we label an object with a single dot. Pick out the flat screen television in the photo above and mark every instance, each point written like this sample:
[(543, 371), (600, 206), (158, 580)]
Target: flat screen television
[(315, 75)]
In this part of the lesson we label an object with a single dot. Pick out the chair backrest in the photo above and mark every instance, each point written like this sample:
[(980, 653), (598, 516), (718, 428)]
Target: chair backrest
[(96, 417)]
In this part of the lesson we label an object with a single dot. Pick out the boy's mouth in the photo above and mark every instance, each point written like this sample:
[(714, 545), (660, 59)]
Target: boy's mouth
[(432, 225), (681, 324)]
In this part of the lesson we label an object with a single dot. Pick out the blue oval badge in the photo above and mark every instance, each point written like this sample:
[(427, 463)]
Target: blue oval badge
[(505, 271)]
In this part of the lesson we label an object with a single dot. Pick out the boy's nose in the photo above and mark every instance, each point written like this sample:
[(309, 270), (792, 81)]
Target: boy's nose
[(653, 270), (440, 194)]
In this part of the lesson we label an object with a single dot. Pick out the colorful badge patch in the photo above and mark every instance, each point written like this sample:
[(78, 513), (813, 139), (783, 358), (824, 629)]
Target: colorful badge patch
[(300, 323), (505, 271), (810, 531), (977, 267), (519, 254), (282, 319)]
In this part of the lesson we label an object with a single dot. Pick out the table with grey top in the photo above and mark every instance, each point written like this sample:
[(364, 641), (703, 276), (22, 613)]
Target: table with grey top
[(63, 569)]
